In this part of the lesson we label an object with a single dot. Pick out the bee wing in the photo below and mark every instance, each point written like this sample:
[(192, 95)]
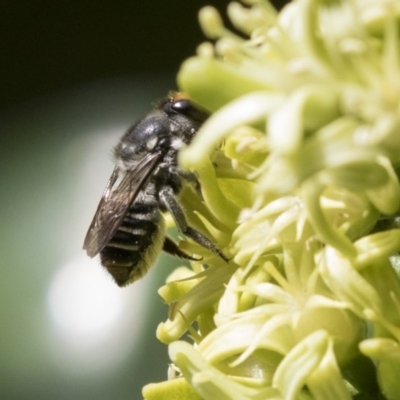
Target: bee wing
[(116, 201)]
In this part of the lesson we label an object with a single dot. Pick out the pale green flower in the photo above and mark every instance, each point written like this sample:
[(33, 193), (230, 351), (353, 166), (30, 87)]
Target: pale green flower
[(298, 166)]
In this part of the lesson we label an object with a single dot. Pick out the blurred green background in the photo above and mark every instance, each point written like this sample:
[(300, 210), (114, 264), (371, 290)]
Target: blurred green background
[(73, 76)]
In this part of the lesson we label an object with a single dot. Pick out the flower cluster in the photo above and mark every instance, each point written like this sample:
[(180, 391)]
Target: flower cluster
[(298, 166)]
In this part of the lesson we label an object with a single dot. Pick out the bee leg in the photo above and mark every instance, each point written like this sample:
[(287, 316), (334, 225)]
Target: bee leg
[(189, 177), (172, 248), (168, 200)]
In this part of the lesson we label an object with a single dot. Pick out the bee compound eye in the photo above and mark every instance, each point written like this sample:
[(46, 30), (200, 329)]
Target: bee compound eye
[(182, 106), (187, 108)]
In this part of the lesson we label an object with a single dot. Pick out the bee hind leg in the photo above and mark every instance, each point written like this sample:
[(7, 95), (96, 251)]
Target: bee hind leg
[(172, 248)]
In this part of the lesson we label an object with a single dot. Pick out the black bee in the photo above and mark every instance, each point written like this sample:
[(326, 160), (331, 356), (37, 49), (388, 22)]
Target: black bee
[(128, 228)]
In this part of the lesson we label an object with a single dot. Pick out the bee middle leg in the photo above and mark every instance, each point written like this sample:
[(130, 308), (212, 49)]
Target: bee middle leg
[(169, 201)]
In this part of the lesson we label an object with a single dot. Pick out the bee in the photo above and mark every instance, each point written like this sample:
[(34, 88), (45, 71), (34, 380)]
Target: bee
[(128, 227)]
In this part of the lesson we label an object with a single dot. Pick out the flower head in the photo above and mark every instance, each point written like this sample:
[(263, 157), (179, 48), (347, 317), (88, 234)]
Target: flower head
[(298, 166)]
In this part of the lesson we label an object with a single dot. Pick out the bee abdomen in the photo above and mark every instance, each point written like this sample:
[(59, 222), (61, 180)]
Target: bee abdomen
[(135, 245)]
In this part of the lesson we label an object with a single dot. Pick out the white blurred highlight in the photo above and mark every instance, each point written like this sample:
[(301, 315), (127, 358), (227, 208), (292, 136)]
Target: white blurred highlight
[(97, 323), (83, 304)]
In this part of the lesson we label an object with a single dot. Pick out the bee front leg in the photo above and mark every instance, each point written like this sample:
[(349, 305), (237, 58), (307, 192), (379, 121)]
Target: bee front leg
[(167, 197), (189, 177)]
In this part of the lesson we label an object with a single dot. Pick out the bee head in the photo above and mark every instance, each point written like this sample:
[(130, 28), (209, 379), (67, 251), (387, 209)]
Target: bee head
[(185, 116)]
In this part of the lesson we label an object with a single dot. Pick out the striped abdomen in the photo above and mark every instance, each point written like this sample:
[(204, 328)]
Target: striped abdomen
[(136, 244)]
